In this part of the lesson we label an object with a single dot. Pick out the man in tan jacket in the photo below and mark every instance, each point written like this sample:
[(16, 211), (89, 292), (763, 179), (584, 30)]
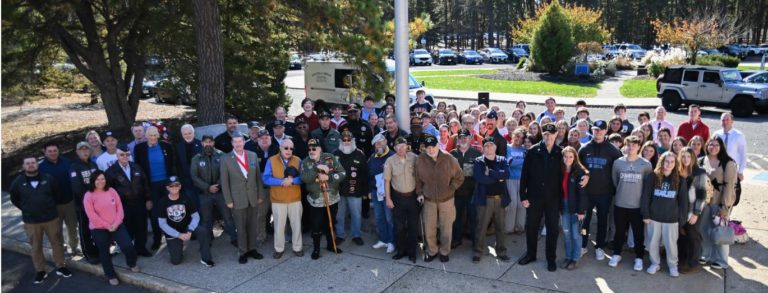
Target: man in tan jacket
[(438, 175), (243, 192)]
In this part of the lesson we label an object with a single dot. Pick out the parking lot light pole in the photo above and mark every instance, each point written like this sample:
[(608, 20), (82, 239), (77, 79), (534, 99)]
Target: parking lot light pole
[(402, 33)]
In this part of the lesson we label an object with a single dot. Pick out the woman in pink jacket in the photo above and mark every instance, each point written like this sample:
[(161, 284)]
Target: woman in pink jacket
[(105, 213)]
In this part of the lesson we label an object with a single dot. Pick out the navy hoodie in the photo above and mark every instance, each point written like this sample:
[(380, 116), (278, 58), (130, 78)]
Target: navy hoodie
[(598, 158)]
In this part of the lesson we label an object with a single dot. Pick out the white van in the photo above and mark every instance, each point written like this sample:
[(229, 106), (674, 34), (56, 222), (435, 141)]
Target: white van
[(324, 80)]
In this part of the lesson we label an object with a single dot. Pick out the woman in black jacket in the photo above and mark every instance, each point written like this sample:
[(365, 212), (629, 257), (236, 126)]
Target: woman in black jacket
[(689, 243), (574, 206)]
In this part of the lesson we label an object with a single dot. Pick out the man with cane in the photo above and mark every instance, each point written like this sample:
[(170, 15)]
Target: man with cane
[(322, 173)]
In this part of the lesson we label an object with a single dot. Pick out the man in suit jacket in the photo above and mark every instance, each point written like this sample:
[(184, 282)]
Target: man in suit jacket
[(244, 193), (155, 157), (185, 151)]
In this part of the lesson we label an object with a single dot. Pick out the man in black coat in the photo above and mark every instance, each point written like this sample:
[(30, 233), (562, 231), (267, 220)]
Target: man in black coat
[(493, 131), (186, 149), (132, 185), (541, 193), (156, 158), (80, 179)]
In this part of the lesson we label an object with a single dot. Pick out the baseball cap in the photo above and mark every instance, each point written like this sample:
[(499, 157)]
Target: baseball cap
[(488, 139), (262, 132), (400, 140), (492, 114), (347, 134), (207, 137), (277, 123), (324, 115), (430, 140), (549, 127), (173, 180), (253, 124), (582, 109), (313, 143), (107, 134), (82, 144), (600, 124), (377, 138), (123, 148), (464, 132)]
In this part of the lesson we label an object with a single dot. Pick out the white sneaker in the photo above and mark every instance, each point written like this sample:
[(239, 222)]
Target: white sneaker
[(390, 248), (583, 251), (673, 272), (599, 254), (638, 264), (614, 261), (652, 269), (379, 245)]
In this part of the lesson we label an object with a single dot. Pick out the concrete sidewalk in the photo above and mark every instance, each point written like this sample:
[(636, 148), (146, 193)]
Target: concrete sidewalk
[(363, 269), (608, 95)]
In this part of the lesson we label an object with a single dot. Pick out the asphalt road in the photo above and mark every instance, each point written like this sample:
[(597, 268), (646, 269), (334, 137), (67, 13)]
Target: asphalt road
[(18, 276), (753, 127)]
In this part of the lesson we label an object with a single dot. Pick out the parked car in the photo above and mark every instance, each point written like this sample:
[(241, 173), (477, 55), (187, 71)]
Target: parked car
[(470, 57), (420, 57), (516, 53), (525, 47), (170, 91), (733, 50), (295, 62), (632, 51), (712, 86), (494, 55), (754, 50), (760, 77), (610, 52), (444, 56)]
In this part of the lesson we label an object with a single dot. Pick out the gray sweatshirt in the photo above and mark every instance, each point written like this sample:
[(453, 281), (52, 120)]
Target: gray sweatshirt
[(629, 179)]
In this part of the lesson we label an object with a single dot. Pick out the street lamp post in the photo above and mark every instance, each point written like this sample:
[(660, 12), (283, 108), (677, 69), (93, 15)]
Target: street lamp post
[(402, 34)]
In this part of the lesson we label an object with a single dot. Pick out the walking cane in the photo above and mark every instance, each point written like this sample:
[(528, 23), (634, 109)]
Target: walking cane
[(423, 235), (324, 187)]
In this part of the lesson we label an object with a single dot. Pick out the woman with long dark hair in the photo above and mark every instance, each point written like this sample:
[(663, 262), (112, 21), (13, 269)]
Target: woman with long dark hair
[(648, 152), (574, 206), (721, 171), (689, 244), (105, 215)]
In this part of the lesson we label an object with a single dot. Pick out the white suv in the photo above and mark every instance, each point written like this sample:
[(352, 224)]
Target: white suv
[(711, 86)]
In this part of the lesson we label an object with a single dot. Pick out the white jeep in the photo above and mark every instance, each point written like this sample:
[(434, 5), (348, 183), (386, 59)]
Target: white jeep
[(711, 86)]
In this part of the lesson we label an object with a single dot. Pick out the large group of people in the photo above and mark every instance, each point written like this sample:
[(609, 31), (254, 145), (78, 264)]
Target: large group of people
[(455, 177)]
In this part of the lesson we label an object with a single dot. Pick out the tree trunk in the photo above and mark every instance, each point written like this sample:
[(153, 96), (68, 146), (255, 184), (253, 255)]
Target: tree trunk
[(210, 56)]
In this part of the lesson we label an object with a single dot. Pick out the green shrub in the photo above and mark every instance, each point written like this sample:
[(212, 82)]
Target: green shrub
[(552, 45), (655, 69), (521, 63), (718, 60)]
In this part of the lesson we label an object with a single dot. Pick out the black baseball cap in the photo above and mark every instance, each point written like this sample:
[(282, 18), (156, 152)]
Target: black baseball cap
[(207, 137), (277, 123), (492, 114), (601, 124), (324, 114), (313, 143), (488, 139), (108, 133), (400, 140), (253, 124), (549, 127), (464, 132), (173, 180), (430, 140), (123, 148)]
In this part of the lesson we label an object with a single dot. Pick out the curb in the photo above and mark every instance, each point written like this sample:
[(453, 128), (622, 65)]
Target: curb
[(141, 280), (590, 101)]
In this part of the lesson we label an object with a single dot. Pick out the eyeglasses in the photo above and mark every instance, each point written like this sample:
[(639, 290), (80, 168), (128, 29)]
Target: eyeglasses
[(288, 148), (346, 140)]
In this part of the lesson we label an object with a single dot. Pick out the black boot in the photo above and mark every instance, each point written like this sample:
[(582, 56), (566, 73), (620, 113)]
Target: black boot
[(316, 245)]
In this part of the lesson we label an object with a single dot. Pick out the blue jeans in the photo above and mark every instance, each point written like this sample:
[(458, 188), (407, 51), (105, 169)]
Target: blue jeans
[(571, 229), (384, 222), (355, 207)]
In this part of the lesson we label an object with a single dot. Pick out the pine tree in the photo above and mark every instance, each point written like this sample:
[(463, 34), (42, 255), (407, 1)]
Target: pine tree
[(552, 44)]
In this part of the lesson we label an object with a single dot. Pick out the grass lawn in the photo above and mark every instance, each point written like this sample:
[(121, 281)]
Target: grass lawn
[(639, 88), (745, 67), (427, 73), (470, 83)]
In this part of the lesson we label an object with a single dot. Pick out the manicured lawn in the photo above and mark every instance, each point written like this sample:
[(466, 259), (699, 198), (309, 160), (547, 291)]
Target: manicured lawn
[(745, 67), (639, 88), (426, 73), (470, 83)]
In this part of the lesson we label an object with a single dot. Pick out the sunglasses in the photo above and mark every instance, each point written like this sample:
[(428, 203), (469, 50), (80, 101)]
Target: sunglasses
[(288, 148), (312, 149), (346, 140)]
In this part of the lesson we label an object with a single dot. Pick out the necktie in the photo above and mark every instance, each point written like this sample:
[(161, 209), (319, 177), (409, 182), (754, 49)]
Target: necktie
[(726, 139)]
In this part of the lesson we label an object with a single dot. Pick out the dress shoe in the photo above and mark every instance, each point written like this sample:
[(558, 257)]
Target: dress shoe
[(338, 250), (299, 253), (503, 258), (255, 254), (243, 259), (144, 253), (551, 266), (398, 255), (444, 258), (358, 241), (412, 258), (277, 255), (475, 259), (526, 260), (315, 254), (430, 258)]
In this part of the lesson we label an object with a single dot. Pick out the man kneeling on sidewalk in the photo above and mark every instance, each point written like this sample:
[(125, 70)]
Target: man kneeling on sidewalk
[(178, 218)]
